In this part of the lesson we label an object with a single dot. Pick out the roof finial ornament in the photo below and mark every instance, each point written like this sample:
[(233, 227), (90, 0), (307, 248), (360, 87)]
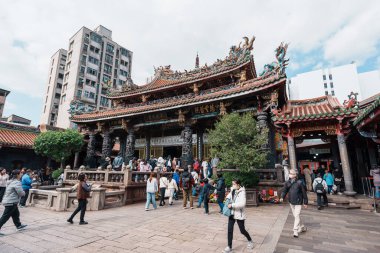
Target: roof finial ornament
[(197, 61)]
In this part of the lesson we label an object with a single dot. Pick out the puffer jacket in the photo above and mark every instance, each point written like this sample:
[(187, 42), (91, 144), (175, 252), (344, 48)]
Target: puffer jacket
[(297, 192), (13, 192), (238, 203), (221, 189)]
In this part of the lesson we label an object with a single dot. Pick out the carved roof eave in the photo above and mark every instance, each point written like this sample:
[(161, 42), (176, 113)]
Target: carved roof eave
[(254, 90), (141, 90)]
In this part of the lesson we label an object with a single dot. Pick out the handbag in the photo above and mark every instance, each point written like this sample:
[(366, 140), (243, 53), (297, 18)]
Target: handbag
[(226, 210)]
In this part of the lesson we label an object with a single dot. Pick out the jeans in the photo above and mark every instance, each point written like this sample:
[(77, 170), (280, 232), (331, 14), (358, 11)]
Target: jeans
[(24, 198), (176, 194), (231, 223), (10, 211), (82, 204), (162, 196), (329, 188), (377, 192), (205, 204), (298, 225), (2, 191), (221, 205), (200, 200), (319, 199), (151, 197), (187, 194)]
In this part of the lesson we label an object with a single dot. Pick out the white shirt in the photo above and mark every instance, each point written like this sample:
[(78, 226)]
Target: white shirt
[(163, 182), (3, 180), (205, 165), (195, 176)]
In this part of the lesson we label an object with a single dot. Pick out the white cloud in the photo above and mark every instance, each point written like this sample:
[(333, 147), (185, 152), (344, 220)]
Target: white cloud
[(171, 32)]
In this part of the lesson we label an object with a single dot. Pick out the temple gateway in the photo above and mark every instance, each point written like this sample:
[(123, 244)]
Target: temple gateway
[(170, 115)]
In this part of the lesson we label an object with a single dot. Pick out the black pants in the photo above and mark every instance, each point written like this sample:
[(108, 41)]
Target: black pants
[(24, 198), (319, 199), (205, 203), (11, 211), (2, 191), (82, 204), (231, 223), (162, 197)]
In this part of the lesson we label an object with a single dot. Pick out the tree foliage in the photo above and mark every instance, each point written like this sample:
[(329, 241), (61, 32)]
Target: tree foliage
[(58, 145), (238, 142)]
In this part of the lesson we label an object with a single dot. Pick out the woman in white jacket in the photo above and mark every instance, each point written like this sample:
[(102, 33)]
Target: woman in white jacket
[(151, 189), (237, 203), (172, 186)]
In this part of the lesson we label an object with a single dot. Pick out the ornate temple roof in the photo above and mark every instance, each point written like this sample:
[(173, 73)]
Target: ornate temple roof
[(321, 108), (215, 94), (166, 78), (371, 106), (13, 135)]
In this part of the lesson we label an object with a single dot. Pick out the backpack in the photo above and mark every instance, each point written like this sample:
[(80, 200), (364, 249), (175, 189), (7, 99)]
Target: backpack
[(186, 183), (319, 187)]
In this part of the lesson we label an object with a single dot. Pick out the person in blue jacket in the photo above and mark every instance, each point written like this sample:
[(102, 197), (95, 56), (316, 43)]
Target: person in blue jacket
[(329, 178), (26, 182), (176, 178)]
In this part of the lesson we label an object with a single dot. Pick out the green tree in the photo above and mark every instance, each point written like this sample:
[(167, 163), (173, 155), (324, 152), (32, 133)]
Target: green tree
[(238, 142), (58, 145)]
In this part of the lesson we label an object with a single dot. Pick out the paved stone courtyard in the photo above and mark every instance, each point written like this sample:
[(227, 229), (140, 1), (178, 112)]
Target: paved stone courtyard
[(173, 229)]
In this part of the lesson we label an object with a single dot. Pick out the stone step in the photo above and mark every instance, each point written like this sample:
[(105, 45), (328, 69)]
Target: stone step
[(338, 205)]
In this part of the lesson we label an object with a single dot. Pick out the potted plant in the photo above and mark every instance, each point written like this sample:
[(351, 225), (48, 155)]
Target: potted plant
[(239, 143)]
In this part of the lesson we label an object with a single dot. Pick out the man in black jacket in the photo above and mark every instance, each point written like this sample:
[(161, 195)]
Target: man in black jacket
[(221, 191), (297, 197)]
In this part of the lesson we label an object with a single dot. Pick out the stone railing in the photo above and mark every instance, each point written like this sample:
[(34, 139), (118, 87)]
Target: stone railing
[(271, 177), (114, 178)]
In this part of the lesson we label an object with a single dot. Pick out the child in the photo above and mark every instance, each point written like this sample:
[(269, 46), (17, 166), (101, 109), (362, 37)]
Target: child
[(207, 189)]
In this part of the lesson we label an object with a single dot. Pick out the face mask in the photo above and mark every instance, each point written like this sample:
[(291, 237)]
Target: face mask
[(235, 187)]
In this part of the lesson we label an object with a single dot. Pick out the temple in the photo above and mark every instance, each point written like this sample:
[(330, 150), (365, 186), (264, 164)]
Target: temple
[(170, 115)]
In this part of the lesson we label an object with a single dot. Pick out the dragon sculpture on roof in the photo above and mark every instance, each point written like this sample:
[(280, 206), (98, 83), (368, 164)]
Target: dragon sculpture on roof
[(280, 65)]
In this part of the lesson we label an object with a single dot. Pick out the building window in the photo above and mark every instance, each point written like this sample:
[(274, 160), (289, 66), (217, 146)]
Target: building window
[(110, 48), (85, 47), (94, 49), (332, 93), (331, 85), (52, 116), (93, 60), (63, 99), (71, 45), (57, 95), (107, 69), (109, 59), (330, 77), (90, 83), (106, 78), (59, 85), (79, 93), (123, 73), (96, 38), (45, 109), (64, 87), (104, 101), (124, 51), (92, 71), (325, 84), (48, 89), (326, 93), (324, 77), (60, 75), (125, 63)]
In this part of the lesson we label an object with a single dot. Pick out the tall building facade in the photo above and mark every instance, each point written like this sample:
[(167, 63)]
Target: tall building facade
[(3, 97), (338, 81), (54, 88), (94, 62)]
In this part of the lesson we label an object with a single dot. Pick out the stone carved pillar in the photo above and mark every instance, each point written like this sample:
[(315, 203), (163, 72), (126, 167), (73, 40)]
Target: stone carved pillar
[(345, 165), (122, 141), (76, 160), (90, 156), (187, 146), (200, 145), (292, 153), (130, 145), (262, 122), (147, 147), (106, 146)]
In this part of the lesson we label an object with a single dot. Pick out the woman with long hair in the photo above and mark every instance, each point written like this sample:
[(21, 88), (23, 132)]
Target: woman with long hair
[(172, 187), (83, 192), (237, 198), (151, 189)]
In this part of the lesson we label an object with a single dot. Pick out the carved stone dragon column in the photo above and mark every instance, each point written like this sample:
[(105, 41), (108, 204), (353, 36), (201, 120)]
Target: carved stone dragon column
[(292, 152), (130, 145), (187, 146), (147, 146), (345, 165), (262, 121), (106, 146), (90, 156)]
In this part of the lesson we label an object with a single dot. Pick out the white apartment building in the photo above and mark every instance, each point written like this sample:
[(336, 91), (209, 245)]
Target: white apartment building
[(337, 81), (54, 87), (93, 62)]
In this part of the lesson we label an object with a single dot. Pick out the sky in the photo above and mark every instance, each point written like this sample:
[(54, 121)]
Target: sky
[(321, 33)]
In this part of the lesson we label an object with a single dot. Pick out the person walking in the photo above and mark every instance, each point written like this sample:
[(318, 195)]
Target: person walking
[(320, 188), (201, 190), (297, 197), (237, 197), (83, 192), (26, 182), (176, 178), (11, 198), (375, 172), (172, 187), (151, 189), (3, 182), (329, 178), (186, 185), (205, 168), (207, 189), (163, 187), (307, 173), (221, 191)]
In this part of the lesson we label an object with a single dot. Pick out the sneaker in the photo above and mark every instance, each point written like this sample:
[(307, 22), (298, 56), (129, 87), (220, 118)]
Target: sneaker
[(319, 208), (22, 206), (146, 209), (184, 207), (83, 223), (295, 235), (303, 229), (70, 221), (206, 213), (1, 234), (227, 250), (198, 206), (192, 207), (250, 245), (21, 226)]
